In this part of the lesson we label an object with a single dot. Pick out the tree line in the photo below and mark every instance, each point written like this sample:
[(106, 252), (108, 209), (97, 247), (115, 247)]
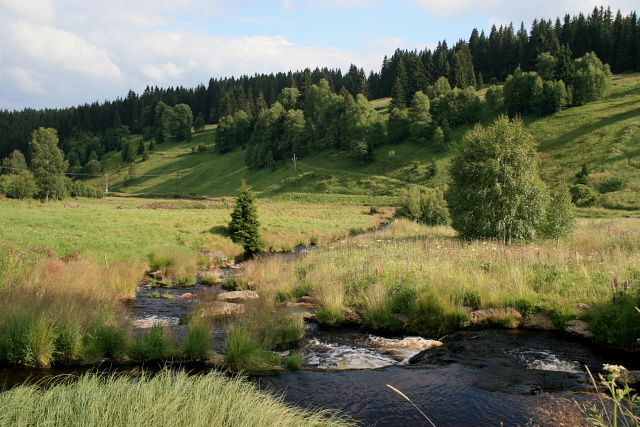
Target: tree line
[(98, 127)]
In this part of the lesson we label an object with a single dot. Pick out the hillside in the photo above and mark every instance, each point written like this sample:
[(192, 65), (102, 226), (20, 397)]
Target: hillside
[(603, 135)]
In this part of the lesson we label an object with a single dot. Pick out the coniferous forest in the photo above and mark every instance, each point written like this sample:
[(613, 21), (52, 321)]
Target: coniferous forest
[(549, 48)]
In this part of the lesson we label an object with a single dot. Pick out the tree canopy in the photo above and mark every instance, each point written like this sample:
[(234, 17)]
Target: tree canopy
[(495, 190)]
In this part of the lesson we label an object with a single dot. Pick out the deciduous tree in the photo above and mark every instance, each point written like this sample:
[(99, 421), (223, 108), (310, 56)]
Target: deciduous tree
[(495, 189), (47, 163)]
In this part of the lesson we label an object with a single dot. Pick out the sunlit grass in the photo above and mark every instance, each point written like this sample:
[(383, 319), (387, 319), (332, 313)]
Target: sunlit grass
[(433, 278), (167, 399)]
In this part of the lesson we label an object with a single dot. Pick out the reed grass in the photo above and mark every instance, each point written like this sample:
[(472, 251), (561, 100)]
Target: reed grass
[(165, 399), (56, 312)]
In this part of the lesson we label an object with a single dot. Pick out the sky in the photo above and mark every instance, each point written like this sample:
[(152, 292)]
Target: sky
[(63, 53)]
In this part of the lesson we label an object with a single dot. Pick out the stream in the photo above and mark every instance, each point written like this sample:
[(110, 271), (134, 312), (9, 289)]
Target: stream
[(476, 378)]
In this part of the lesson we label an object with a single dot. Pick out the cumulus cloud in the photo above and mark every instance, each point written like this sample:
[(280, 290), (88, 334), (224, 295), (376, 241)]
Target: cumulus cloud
[(34, 10), (51, 46), (27, 81)]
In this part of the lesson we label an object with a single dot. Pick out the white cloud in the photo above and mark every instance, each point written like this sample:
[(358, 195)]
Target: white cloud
[(28, 81), (287, 4), (162, 73), (346, 4), (34, 10), (49, 46)]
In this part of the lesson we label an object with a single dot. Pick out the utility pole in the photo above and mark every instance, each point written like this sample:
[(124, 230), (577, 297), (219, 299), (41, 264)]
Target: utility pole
[(295, 167), (106, 183), (178, 183)]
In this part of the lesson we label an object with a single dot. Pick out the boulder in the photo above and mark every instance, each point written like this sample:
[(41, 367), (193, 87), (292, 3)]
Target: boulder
[(579, 328), (188, 296), (238, 296), (496, 316), (217, 257), (538, 321)]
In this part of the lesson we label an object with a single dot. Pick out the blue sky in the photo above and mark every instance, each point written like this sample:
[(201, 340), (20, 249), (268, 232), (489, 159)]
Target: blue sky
[(60, 53)]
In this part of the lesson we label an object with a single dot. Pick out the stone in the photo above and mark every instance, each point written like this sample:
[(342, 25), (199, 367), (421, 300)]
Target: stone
[(188, 296), (221, 309), (217, 257), (156, 275), (351, 316), (71, 205), (539, 321), (495, 316), (579, 328), (238, 296), (308, 300), (216, 360)]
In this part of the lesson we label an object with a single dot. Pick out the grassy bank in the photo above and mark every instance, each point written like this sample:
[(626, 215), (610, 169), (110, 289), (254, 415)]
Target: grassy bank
[(422, 280), (165, 399)]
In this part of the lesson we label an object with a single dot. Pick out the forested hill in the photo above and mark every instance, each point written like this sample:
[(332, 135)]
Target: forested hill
[(484, 58)]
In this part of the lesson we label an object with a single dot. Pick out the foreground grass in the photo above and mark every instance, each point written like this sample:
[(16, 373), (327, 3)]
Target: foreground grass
[(424, 280), (165, 399)]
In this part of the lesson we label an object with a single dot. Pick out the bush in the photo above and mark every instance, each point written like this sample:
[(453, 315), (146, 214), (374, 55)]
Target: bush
[(424, 206), (583, 196)]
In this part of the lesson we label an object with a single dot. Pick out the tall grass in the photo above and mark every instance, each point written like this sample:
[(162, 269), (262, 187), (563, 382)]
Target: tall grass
[(252, 338), (166, 399), (433, 278), (57, 312)]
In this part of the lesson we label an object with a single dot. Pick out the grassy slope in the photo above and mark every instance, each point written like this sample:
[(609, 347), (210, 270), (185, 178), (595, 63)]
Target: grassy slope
[(602, 134)]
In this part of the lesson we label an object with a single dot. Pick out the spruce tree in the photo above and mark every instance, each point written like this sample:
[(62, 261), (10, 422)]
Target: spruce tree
[(244, 223)]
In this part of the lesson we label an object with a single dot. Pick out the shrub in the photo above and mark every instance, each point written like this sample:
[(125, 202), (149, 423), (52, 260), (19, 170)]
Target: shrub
[(424, 206), (583, 196)]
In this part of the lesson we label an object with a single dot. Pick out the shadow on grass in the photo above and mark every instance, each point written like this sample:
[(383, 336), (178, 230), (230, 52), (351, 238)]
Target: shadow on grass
[(221, 230)]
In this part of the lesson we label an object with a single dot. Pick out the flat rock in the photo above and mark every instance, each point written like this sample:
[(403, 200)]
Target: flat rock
[(491, 315), (238, 296), (579, 328), (188, 296), (221, 309), (539, 321)]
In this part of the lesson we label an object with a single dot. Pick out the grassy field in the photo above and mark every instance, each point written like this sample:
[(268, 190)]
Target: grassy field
[(131, 228), (603, 135)]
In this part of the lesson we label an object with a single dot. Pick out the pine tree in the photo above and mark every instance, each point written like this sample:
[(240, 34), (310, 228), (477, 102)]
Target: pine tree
[(244, 225)]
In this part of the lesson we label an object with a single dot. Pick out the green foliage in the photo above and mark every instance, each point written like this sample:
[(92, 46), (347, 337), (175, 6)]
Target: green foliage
[(198, 339), (106, 340), (244, 225), (591, 79), (153, 345), (424, 206), (14, 163), (560, 215), (495, 190), (47, 163), (494, 97), (617, 320), (199, 123), (583, 196), (21, 186), (181, 122), (27, 338)]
